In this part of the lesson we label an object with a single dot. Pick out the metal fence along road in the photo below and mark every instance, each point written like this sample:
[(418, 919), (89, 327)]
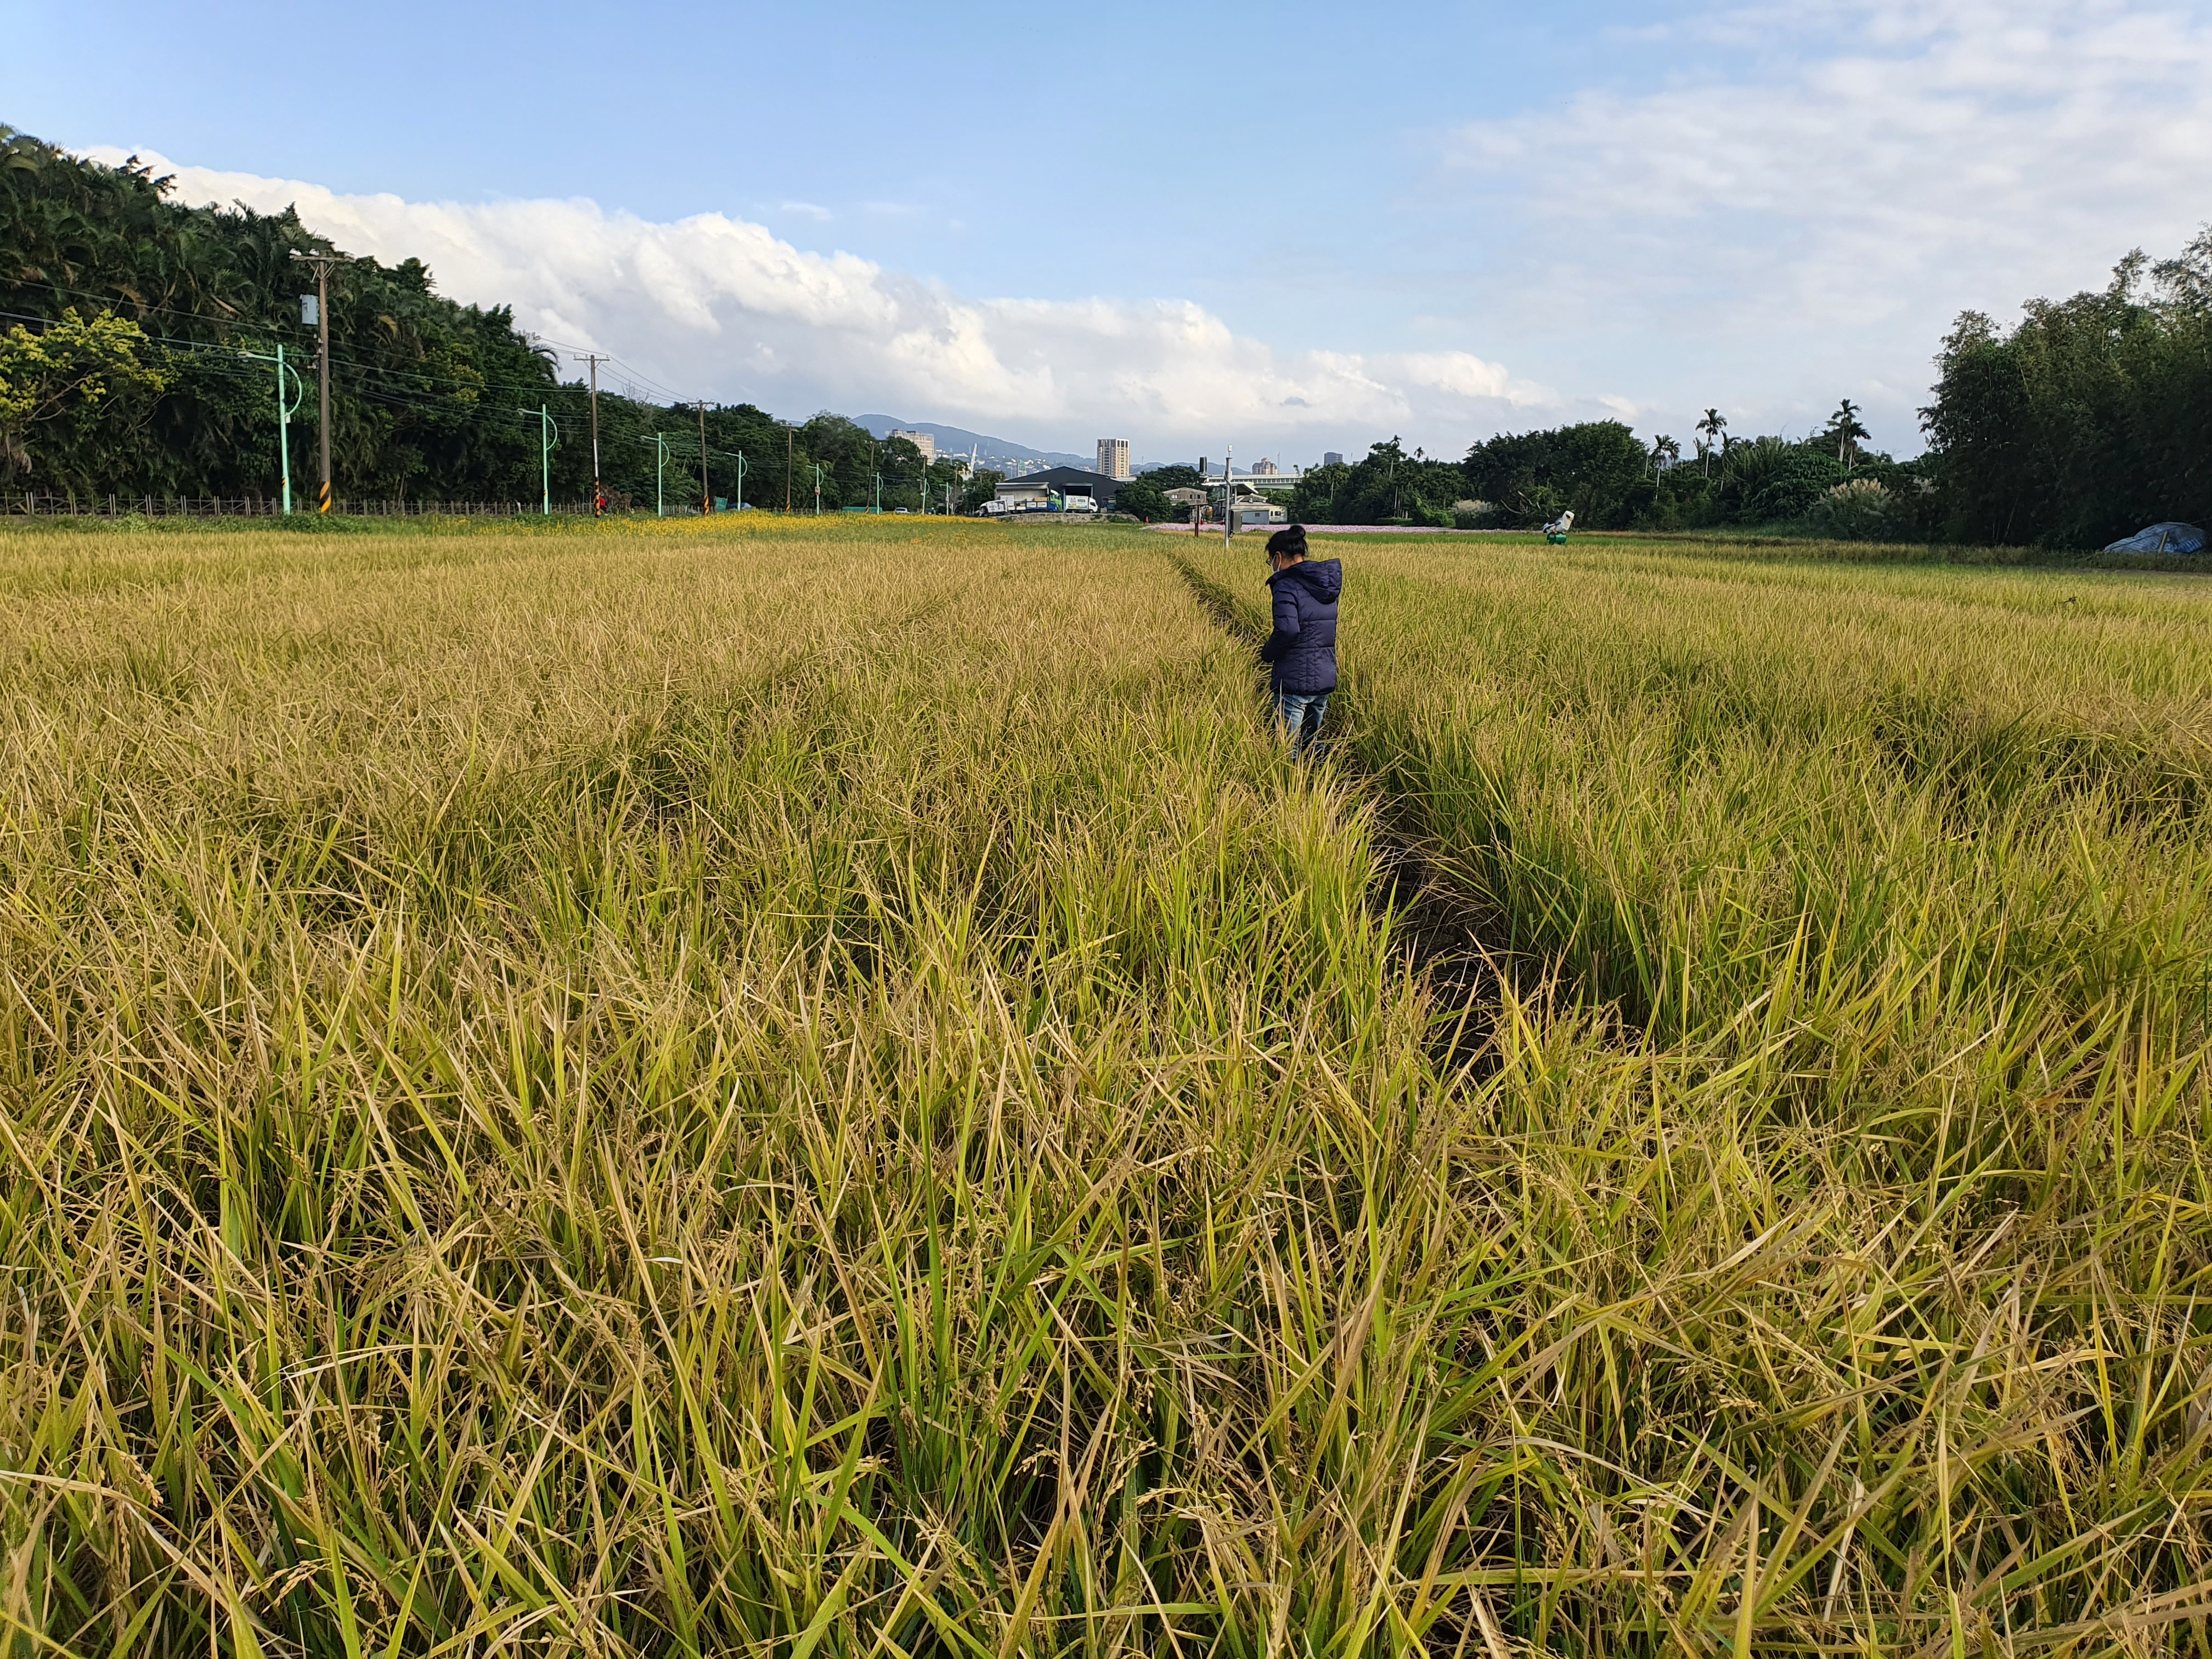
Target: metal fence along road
[(43, 504)]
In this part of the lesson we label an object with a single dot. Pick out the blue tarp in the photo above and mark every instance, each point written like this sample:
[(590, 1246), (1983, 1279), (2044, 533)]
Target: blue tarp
[(2162, 539)]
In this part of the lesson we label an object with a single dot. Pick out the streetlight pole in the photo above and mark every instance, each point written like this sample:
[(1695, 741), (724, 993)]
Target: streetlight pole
[(548, 439), (817, 489), (322, 263), (284, 413), (659, 466)]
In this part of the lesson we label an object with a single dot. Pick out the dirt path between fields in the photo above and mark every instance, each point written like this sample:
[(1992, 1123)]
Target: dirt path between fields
[(1452, 940)]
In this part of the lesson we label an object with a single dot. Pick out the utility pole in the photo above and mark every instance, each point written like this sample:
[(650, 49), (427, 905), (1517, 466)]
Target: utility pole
[(594, 358), (817, 489), (740, 498), (1228, 496), (787, 441), (706, 493), (548, 439), (322, 263)]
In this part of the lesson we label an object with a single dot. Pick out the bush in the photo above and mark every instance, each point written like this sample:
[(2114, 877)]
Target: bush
[(1857, 510), (1142, 498)]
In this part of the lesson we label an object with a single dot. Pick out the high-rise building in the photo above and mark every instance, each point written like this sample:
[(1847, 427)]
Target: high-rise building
[(1332, 457), (1263, 468), (1113, 457), (921, 441)]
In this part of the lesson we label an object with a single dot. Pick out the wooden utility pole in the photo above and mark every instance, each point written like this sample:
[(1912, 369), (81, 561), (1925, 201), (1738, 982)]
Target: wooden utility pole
[(322, 263), (787, 441), (598, 496), (706, 493)]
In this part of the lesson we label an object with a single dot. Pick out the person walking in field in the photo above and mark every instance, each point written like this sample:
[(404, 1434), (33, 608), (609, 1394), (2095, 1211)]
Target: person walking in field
[(1301, 654)]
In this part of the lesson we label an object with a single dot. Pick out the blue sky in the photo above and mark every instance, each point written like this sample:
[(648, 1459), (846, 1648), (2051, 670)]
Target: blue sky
[(1286, 227)]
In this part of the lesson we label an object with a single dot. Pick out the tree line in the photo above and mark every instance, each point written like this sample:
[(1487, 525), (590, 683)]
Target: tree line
[(136, 335), (2087, 420), (135, 354), (2090, 418), (1609, 478)]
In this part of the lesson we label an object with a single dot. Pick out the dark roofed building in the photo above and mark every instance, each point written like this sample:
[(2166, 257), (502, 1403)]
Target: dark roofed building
[(1063, 481)]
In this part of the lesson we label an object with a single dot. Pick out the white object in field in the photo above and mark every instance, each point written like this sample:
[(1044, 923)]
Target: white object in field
[(1560, 526)]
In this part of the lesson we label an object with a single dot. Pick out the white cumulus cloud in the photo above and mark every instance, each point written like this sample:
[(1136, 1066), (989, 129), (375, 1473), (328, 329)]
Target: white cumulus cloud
[(719, 307), (1806, 213)]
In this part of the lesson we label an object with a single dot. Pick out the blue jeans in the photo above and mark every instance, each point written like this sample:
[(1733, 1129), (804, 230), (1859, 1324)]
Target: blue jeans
[(1301, 713)]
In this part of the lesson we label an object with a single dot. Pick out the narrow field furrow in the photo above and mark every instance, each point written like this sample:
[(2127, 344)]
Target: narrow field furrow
[(1456, 943)]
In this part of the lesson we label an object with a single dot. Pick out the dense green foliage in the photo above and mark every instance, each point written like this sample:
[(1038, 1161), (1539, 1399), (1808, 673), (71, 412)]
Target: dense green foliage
[(1597, 469), (2091, 418), (1144, 497), (1388, 487), (1610, 480), (124, 371), (417, 375)]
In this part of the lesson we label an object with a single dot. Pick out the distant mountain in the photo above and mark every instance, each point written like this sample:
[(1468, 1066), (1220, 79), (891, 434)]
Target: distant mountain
[(958, 440)]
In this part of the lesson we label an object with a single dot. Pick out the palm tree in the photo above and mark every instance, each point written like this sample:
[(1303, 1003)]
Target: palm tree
[(1665, 451), (1711, 428), (1844, 423)]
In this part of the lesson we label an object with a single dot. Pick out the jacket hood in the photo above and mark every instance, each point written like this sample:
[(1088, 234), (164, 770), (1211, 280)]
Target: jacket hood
[(1325, 577)]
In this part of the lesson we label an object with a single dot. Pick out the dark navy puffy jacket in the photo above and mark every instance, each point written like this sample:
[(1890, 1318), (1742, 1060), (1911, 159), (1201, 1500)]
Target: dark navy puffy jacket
[(1302, 649)]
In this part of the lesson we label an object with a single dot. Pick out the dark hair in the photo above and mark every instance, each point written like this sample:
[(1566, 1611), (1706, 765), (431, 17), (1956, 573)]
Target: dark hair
[(1288, 543)]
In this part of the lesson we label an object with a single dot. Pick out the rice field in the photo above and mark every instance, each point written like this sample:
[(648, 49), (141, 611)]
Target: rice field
[(764, 1086)]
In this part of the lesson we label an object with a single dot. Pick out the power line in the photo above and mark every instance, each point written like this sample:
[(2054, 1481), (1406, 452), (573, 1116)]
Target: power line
[(240, 321), (220, 350), (674, 396), (397, 387), (353, 368)]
